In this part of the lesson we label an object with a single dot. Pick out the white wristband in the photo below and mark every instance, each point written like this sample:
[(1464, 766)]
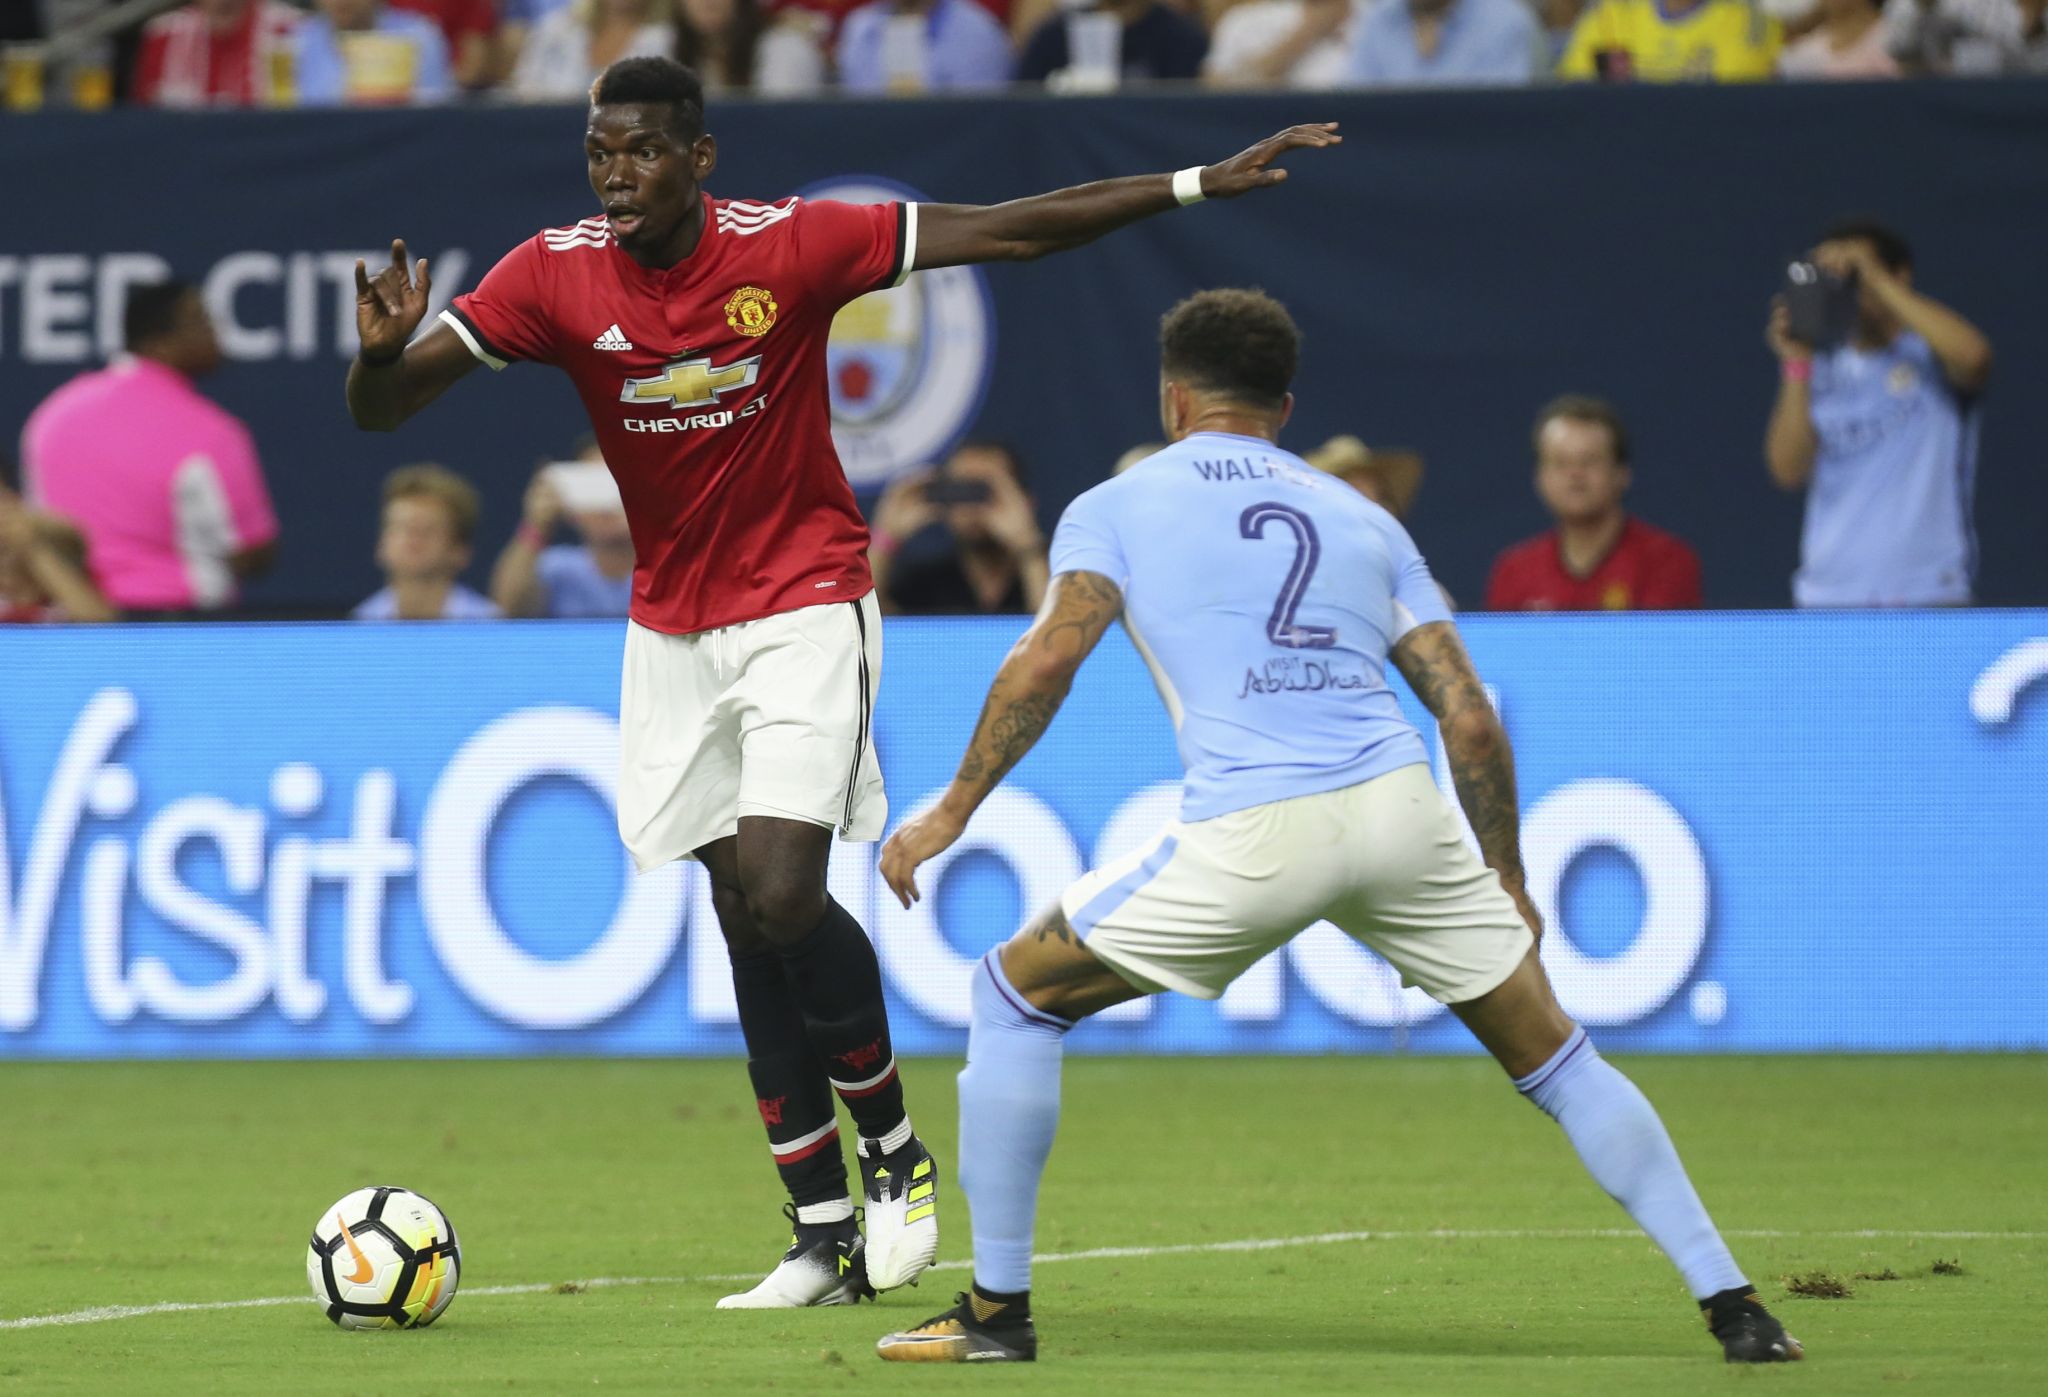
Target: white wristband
[(1187, 185)]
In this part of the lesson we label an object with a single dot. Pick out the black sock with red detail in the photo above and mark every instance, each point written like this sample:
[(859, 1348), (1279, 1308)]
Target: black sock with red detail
[(791, 1089), (838, 986)]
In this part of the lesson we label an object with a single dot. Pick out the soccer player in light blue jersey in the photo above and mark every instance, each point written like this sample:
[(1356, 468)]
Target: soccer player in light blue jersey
[(1268, 599)]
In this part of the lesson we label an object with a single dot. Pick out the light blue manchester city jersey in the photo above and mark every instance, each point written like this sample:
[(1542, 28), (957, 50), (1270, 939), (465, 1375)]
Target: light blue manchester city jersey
[(1888, 516), (1265, 595)]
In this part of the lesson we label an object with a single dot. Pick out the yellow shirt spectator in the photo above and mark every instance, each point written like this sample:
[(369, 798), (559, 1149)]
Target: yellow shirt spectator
[(1711, 40)]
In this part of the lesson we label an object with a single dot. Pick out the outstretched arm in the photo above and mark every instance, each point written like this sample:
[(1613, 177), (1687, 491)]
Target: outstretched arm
[(950, 235), (390, 380), (1027, 691), (1433, 661)]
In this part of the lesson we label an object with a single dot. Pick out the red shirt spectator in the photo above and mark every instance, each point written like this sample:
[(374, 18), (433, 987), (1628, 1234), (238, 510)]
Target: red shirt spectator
[(1646, 570), (215, 53), (1597, 558), (469, 26)]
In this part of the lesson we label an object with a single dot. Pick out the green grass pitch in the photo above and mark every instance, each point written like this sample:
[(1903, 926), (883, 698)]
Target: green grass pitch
[(1501, 1268)]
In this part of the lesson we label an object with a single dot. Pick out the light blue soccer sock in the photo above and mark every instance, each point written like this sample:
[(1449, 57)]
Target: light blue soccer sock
[(1628, 1152), (1009, 1109)]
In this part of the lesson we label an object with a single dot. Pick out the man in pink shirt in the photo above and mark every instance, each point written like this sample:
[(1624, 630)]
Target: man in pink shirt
[(164, 482)]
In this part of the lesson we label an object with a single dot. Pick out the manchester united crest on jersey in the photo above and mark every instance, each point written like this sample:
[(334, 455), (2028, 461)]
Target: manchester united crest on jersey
[(751, 311)]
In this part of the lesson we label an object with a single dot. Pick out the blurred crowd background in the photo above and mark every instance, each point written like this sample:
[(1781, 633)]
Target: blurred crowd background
[(130, 492), (385, 52)]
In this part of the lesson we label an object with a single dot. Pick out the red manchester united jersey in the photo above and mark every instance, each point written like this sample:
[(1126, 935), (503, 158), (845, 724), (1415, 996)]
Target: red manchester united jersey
[(706, 384), (1646, 570)]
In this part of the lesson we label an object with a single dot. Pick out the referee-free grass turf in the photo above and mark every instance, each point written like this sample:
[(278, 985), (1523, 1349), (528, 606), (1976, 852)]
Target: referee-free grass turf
[(134, 1184)]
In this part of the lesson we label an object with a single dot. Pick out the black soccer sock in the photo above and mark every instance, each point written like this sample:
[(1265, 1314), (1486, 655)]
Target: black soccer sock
[(994, 1307), (791, 1089), (838, 986)]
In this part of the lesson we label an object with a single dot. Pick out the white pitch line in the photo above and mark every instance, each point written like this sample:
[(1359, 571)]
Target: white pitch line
[(100, 1314)]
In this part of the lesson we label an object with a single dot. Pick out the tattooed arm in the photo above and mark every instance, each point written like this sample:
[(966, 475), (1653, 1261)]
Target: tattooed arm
[(1027, 691), (1433, 661)]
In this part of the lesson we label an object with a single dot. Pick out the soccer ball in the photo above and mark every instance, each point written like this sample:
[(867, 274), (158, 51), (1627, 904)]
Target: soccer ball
[(383, 1258)]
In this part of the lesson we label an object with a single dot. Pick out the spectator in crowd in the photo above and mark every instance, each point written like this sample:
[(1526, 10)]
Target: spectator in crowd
[(593, 577), (164, 483), (735, 47), (1881, 431), (1679, 41), (1391, 477), (216, 53), (363, 53), (995, 560), (1284, 43), (1559, 17), (423, 546), (1599, 557), (516, 21), (570, 47), (1969, 37), (469, 28), (43, 575), (1848, 42), (1155, 42), (1408, 43), (922, 46)]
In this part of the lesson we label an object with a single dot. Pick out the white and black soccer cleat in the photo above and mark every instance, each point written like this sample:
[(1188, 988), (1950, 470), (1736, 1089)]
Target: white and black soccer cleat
[(825, 1265), (902, 1214)]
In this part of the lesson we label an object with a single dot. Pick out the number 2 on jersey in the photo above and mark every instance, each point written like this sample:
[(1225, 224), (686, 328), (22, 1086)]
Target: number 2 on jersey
[(1281, 627)]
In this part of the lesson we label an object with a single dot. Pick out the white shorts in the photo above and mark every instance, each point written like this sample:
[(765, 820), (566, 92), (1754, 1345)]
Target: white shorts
[(768, 717), (1385, 861)]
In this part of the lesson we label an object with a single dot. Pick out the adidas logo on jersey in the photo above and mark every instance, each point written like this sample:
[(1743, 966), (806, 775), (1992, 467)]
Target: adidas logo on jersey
[(612, 339)]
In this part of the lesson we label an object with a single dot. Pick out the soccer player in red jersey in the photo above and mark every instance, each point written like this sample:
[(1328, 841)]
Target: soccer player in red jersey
[(695, 329)]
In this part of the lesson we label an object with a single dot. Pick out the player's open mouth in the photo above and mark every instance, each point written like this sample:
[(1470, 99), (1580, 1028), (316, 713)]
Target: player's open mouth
[(623, 220)]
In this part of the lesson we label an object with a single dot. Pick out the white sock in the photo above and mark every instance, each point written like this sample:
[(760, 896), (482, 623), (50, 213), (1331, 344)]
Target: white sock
[(896, 1139), (813, 1214)]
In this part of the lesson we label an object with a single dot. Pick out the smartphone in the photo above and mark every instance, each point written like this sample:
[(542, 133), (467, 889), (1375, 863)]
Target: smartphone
[(1820, 305), (586, 487), (948, 491)]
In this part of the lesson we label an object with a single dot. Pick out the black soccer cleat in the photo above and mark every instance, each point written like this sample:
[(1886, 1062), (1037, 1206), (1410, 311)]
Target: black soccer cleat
[(825, 1265), (973, 1331), (1748, 1332)]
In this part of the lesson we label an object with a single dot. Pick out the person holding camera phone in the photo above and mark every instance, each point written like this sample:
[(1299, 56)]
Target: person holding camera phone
[(1876, 418), (996, 561), (593, 577)]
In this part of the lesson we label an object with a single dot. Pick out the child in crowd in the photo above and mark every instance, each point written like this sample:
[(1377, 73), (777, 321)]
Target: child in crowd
[(429, 521)]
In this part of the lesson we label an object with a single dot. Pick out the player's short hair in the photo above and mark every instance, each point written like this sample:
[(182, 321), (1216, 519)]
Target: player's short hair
[(1581, 407), (654, 82), (152, 311), (1239, 343), (428, 481), (1891, 247)]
